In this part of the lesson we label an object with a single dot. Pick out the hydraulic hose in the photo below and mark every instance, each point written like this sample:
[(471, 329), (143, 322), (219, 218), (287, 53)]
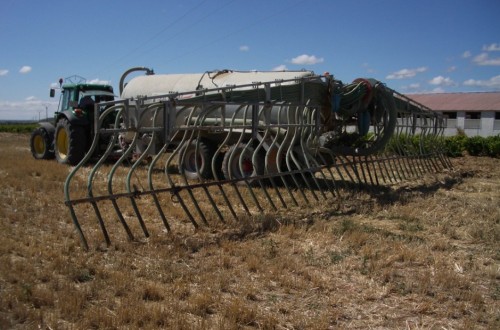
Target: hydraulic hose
[(129, 71)]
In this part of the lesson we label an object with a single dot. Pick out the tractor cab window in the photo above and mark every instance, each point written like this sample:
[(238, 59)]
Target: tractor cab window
[(87, 99), (96, 96), (66, 97)]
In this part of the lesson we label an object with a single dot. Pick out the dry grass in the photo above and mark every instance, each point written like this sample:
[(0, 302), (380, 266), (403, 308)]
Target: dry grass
[(423, 255)]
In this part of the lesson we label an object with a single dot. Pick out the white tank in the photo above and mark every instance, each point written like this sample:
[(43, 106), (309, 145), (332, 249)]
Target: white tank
[(153, 85)]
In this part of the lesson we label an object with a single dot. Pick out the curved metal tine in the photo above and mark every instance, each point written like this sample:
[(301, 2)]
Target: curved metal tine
[(118, 163), (260, 147), (242, 154), (355, 169), (416, 151), (152, 165), (362, 163), (306, 133), (155, 108), (67, 183), (175, 188), (424, 141), (394, 153), (308, 139), (346, 169), (193, 134), (225, 142), (282, 147), (421, 147), (313, 139), (405, 150), (441, 149), (99, 163), (401, 154), (271, 149), (152, 189), (291, 161), (216, 166), (332, 186), (405, 155), (432, 142), (381, 168), (372, 174), (199, 124)]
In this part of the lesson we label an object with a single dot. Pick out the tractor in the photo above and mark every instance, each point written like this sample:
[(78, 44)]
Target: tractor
[(69, 135)]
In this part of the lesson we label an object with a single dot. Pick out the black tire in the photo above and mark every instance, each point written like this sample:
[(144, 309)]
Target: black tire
[(192, 164), (70, 142), (231, 163), (41, 144)]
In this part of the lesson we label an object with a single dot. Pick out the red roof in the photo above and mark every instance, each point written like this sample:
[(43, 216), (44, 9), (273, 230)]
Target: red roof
[(459, 101)]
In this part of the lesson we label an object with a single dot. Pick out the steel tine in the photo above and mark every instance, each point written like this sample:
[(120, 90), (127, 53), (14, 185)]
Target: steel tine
[(94, 170), (152, 189), (111, 174), (78, 227)]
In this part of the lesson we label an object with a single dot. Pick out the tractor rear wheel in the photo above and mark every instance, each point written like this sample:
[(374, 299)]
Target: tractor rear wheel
[(70, 142), (193, 164), (239, 163), (41, 144)]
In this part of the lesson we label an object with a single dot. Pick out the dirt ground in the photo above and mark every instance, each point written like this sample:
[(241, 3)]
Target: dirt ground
[(423, 254)]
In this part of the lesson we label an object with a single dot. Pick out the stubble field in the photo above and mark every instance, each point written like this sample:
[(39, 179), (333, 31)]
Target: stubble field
[(420, 255)]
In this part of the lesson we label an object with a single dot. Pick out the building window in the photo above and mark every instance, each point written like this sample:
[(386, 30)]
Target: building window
[(450, 114), (496, 123), (450, 118), (472, 120)]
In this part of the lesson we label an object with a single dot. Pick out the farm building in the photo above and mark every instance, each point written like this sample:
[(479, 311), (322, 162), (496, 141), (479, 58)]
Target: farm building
[(474, 113)]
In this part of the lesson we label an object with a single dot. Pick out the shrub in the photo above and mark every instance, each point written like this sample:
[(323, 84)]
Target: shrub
[(18, 128), (493, 146), (455, 145), (476, 146)]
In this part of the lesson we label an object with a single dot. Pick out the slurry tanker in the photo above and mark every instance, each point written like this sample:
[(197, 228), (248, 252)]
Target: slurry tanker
[(292, 130)]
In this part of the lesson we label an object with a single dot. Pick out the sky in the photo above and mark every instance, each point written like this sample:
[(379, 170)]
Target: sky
[(414, 46)]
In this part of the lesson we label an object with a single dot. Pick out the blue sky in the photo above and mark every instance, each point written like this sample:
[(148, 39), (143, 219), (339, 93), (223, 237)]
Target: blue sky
[(412, 46)]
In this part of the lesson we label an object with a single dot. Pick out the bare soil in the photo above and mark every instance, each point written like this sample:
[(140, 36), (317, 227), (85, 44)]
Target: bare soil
[(417, 255)]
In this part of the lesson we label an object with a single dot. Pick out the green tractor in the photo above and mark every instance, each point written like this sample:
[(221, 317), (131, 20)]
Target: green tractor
[(70, 134)]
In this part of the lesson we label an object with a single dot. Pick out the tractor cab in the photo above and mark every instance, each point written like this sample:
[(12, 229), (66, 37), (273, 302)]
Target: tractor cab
[(78, 99)]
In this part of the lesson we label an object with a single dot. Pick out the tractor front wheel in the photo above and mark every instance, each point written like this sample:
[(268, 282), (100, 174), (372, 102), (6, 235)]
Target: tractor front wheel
[(70, 142), (41, 144)]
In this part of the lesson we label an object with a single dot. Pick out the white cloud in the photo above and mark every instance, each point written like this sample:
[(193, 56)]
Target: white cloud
[(441, 81), (491, 48), (484, 59), (466, 54), (451, 68), (244, 48), (31, 98), (281, 67), (406, 73), (307, 60), (492, 83), (3, 72), (98, 82), (25, 69)]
